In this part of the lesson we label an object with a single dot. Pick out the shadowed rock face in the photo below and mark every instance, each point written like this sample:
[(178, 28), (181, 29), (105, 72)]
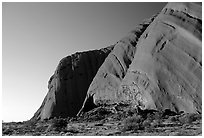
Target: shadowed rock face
[(157, 66), (69, 84)]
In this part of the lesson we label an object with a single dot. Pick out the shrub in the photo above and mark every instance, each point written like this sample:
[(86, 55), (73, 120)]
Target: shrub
[(150, 117), (156, 123), (7, 131), (133, 123), (96, 114), (59, 124), (72, 129), (131, 111), (173, 119), (146, 124), (158, 116), (189, 118)]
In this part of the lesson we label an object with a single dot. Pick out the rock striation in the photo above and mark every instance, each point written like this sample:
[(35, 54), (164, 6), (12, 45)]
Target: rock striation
[(156, 66), (69, 84), (166, 72), (164, 69), (105, 84)]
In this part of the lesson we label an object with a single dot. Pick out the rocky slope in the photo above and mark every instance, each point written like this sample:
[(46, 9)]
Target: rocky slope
[(117, 120), (158, 66)]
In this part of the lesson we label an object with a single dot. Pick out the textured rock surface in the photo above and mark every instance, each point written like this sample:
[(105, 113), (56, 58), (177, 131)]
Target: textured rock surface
[(166, 71), (156, 66), (167, 68), (110, 75), (69, 84)]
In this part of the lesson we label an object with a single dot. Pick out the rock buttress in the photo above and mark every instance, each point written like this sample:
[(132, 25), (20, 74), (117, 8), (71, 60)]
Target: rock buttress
[(70, 82), (104, 87)]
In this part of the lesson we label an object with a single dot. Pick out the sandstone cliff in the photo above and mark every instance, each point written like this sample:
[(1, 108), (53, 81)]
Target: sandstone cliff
[(69, 84), (165, 71), (158, 66), (105, 84)]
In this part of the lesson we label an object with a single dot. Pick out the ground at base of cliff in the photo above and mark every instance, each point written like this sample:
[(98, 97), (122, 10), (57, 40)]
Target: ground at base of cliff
[(112, 120)]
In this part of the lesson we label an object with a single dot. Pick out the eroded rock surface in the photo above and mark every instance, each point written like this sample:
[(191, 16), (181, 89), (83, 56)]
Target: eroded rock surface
[(166, 72), (103, 89), (156, 66), (166, 69), (69, 84)]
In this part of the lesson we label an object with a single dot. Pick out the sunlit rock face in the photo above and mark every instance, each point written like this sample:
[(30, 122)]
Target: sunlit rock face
[(104, 87), (165, 71), (158, 66)]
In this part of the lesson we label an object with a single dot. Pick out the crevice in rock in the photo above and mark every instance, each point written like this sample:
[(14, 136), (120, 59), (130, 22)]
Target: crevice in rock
[(123, 68), (168, 24), (88, 105)]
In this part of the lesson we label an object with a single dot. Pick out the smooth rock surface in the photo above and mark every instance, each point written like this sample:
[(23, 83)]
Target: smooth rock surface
[(166, 72)]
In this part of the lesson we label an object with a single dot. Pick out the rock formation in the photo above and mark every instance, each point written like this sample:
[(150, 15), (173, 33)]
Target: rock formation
[(157, 66), (105, 84), (166, 70), (69, 84)]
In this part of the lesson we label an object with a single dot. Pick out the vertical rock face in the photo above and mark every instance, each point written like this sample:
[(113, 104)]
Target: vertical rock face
[(166, 69), (69, 84), (156, 66)]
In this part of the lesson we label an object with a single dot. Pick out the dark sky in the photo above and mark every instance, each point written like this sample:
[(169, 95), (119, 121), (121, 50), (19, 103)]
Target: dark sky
[(36, 36)]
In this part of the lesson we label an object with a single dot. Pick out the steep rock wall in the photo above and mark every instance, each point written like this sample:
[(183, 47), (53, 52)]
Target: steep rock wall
[(104, 87), (158, 66), (69, 84), (166, 72)]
